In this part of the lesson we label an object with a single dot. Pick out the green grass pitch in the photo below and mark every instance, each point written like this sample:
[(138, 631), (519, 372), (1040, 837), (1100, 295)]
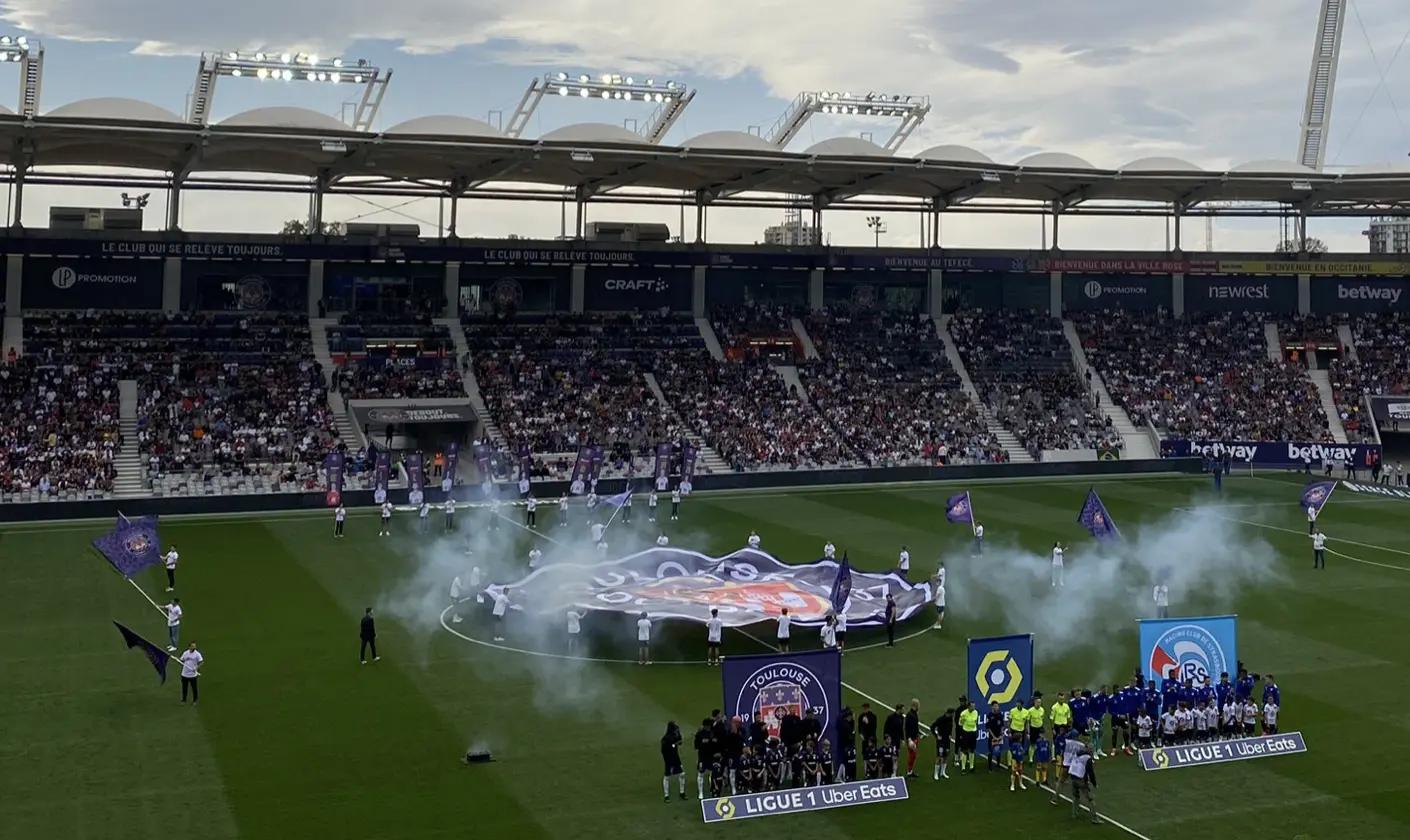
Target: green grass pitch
[(295, 739)]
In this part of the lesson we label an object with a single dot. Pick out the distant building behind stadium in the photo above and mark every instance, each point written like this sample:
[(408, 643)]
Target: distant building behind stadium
[(1389, 235), (792, 233)]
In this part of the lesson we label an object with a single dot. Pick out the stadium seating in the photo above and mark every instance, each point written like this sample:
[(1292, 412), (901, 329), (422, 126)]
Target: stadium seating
[(884, 385), (1204, 376), (1021, 365), (1382, 350), (61, 429), (736, 326), (384, 356)]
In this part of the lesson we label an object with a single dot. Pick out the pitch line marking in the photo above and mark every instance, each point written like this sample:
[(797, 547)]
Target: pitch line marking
[(1333, 551)]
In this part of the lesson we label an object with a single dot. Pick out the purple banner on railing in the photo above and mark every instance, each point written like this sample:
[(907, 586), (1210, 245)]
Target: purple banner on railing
[(1263, 453), (483, 458), (662, 470), (582, 465), (452, 462), (381, 475), (595, 464), (688, 453), (333, 471), (526, 461), (416, 477)]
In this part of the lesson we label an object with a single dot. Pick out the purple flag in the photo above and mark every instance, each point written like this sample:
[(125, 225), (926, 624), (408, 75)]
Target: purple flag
[(1095, 518), (958, 508), (842, 586), (333, 470), (688, 454), (131, 546), (1316, 494), (416, 477), (482, 462), (154, 654), (595, 466), (619, 499), (663, 462)]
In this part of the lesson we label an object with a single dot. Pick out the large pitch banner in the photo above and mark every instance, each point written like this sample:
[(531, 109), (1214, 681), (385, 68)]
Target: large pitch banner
[(774, 687), (1198, 649), (747, 587), (1000, 671), (820, 798), (1218, 752)]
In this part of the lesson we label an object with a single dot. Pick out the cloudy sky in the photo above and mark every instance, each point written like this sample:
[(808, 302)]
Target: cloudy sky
[(1213, 82)]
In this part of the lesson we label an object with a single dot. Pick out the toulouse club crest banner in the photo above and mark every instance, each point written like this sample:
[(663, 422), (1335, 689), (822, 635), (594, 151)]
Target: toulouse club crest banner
[(1275, 453), (416, 477), (774, 686), (747, 587), (333, 471), (132, 545), (381, 475), (1198, 649)]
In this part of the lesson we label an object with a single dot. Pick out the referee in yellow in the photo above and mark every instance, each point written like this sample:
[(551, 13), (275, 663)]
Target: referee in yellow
[(969, 736), (1036, 717), (1062, 714)]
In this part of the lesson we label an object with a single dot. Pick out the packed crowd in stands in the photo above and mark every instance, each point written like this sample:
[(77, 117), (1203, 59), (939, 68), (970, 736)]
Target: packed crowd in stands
[(1203, 376), (1382, 366), (1021, 364), (61, 428), (884, 385), (735, 325), (386, 356), (559, 382)]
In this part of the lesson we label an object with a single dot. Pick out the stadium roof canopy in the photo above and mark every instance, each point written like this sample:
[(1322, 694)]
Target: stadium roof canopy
[(458, 156)]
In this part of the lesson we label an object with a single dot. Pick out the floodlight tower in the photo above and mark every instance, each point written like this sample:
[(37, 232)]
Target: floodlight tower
[(670, 98), (1321, 85), (289, 67), (911, 110), (29, 54)]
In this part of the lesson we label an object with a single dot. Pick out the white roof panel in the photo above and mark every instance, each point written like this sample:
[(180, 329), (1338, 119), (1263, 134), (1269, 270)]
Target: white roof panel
[(592, 133), (113, 108), (847, 147), (446, 125), (285, 117)]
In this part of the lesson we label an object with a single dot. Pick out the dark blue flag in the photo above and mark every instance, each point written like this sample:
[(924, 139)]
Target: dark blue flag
[(1095, 518), (842, 585), (131, 546), (1317, 493), (154, 654), (959, 508)]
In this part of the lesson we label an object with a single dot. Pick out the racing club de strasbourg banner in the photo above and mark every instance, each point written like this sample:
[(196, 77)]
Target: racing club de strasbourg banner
[(1198, 649), (772, 686), (1000, 670)]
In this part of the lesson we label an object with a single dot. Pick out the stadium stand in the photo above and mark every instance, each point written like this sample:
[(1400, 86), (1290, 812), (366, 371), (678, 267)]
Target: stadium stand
[(382, 356), (1021, 365), (1382, 366), (1204, 376), (738, 326), (61, 429), (884, 385)]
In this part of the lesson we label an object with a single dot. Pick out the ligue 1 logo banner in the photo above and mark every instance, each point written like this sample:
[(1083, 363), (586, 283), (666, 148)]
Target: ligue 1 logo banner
[(772, 687), (1198, 649), (1000, 671), (333, 470), (416, 478)]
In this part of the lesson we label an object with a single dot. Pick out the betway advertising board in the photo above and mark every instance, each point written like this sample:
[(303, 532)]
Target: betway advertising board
[(1115, 291), (1271, 453), (57, 283), (1225, 293), (1360, 294)]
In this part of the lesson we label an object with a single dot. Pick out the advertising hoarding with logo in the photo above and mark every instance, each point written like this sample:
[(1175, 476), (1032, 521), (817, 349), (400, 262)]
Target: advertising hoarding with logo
[(1198, 649), (1360, 294), (611, 289), (1272, 453), (1226, 293), (51, 283), (1115, 291), (1000, 671)]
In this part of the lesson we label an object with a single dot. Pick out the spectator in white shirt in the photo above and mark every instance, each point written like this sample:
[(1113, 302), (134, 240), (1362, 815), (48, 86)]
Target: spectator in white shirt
[(191, 660), (903, 563), (1319, 548), (575, 629), (714, 630), (173, 623), (1161, 596), (501, 606), (783, 632), (663, 540), (171, 558), (754, 540)]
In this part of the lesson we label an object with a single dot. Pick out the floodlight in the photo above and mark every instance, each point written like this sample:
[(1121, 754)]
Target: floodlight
[(287, 66), (358, 78), (629, 81), (989, 176), (5, 40), (232, 55), (910, 110), (259, 56), (583, 78), (672, 96), (562, 77), (583, 93), (563, 90), (1303, 186), (288, 74), (335, 77), (311, 59), (607, 94), (286, 58), (261, 73), (235, 72), (337, 62)]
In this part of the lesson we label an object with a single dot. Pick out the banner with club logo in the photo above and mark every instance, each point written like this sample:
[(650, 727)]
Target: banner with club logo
[(774, 803), (661, 472), (91, 284), (1219, 752), (1000, 671), (688, 456), (416, 477), (780, 689), (1115, 291), (1198, 649)]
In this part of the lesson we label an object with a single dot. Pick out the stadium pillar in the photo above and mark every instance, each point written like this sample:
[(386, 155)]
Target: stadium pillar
[(1055, 294), (315, 286), (1177, 293), (14, 274), (1304, 294), (578, 290), (1179, 213), (935, 293), (1057, 214), (697, 291), (451, 290), (173, 205), (171, 285), (815, 289)]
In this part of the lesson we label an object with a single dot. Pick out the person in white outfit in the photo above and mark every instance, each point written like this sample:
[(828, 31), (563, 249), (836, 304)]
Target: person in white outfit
[(783, 630), (643, 640), (1057, 564), (754, 540), (829, 550), (1161, 595)]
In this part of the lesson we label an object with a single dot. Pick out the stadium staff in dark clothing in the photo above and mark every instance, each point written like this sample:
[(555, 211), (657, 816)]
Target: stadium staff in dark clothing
[(846, 728), (369, 636), (942, 729), (866, 724), (895, 727), (891, 623), (671, 757), (704, 753), (994, 725), (913, 737)]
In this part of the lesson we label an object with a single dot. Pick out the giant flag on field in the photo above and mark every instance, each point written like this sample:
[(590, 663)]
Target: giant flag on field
[(416, 477), (1095, 518), (770, 687), (381, 475), (1196, 649), (333, 464), (1000, 671), (747, 586), (154, 654), (132, 545), (1317, 494)]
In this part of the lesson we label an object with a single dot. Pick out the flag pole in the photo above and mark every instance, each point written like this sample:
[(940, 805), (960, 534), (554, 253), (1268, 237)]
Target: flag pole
[(969, 501), (145, 595)]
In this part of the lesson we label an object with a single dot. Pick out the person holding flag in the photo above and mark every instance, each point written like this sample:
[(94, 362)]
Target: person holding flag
[(1314, 497), (959, 509), (978, 539)]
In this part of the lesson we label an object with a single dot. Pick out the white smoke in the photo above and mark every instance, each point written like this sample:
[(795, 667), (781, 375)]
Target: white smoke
[(1204, 559)]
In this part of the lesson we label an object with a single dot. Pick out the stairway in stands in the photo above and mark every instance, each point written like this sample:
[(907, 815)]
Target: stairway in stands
[(1138, 443), (705, 454), (348, 432), (470, 383), (1012, 448), (129, 483), (1323, 381)]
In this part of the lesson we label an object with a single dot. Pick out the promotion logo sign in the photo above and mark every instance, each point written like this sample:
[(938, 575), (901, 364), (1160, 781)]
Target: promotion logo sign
[(1108, 291), (1198, 649), (1000, 671), (1219, 752), (774, 803), (770, 687)]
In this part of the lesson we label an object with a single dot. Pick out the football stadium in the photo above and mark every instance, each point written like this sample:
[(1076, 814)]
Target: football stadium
[(654, 528)]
